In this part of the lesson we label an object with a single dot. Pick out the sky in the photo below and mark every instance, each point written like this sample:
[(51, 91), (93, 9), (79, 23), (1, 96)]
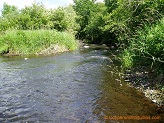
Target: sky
[(48, 3)]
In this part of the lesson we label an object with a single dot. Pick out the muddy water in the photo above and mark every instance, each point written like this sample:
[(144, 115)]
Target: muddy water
[(73, 87)]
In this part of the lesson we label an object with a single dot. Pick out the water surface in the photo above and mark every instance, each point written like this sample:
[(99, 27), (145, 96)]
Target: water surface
[(72, 87)]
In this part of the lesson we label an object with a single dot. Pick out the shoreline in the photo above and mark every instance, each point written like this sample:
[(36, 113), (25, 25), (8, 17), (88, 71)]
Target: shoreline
[(142, 82), (53, 49)]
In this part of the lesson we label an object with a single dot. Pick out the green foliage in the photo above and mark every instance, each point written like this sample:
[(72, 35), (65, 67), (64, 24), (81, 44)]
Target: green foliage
[(4, 48), (93, 28), (71, 16), (37, 17), (58, 19), (83, 8), (9, 17), (7, 9), (147, 47), (111, 4), (129, 16), (118, 21), (14, 22), (24, 22), (127, 59), (30, 42)]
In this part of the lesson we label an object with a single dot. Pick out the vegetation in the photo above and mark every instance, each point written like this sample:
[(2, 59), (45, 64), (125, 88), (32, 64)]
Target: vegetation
[(147, 45), (31, 42), (36, 17), (35, 28), (135, 26)]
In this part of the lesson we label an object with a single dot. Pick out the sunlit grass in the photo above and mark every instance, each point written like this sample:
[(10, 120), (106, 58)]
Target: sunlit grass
[(147, 47), (24, 42)]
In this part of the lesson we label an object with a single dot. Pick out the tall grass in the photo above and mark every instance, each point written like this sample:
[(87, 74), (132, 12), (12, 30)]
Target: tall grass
[(24, 42), (147, 48)]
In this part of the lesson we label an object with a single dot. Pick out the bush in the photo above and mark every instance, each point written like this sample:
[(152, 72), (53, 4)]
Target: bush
[(147, 47)]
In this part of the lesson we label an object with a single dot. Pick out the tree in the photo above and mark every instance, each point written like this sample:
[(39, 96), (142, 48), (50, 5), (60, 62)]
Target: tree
[(71, 16), (38, 16), (83, 9), (8, 9), (111, 4), (58, 19), (94, 28)]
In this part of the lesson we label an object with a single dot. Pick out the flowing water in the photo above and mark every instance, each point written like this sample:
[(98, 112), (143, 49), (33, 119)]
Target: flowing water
[(72, 87)]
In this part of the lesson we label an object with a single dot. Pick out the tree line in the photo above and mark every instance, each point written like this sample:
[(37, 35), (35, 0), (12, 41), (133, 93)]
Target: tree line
[(36, 17)]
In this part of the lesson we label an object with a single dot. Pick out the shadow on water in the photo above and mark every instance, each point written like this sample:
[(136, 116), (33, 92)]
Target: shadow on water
[(73, 87)]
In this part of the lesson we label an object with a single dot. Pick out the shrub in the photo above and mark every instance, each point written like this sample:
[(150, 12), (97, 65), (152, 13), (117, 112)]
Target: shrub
[(147, 47)]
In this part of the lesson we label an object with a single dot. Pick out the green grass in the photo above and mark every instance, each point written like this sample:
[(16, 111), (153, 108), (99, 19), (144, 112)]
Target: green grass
[(25, 42), (147, 50), (147, 47)]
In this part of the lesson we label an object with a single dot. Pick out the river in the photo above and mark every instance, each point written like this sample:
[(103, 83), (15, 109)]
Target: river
[(72, 87)]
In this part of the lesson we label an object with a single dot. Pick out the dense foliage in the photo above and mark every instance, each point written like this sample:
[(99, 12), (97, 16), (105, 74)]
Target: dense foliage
[(135, 26), (115, 21), (147, 47), (37, 16)]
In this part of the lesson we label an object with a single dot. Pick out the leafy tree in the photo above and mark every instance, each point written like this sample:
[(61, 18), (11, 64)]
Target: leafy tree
[(71, 16), (9, 17), (94, 28), (128, 16), (37, 17), (8, 9), (37, 14), (58, 18), (83, 9), (111, 4), (4, 24), (24, 21)]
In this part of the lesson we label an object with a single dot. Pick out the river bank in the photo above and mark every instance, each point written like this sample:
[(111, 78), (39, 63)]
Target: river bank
[(141, 79), (36, 42), (144, 82), (52, 49)]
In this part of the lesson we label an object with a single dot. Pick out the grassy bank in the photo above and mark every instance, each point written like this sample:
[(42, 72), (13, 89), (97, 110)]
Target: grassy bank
[(143, 61), (147, 50), (146, 47), (26, 42)]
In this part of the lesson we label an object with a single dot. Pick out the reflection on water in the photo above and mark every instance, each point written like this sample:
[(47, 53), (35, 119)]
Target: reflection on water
[(74, 87)]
